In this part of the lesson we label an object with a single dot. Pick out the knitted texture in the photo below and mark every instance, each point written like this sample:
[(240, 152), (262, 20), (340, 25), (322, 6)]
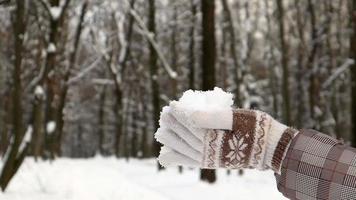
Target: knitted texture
[(255, 140)]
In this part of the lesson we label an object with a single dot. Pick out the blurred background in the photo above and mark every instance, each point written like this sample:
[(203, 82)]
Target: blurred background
[(82, 83)]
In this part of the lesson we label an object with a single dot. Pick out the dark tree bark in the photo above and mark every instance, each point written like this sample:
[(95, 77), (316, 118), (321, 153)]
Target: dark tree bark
[(41, 115), (208, 62), (313, 86), (353, 73), (271, 64), (118, 86), (174, 51), (154, 75), (59, 117), (102, 121), (233, 52), (284, 63), (15, 157), (191, 55), (5, 118), (301, 109)]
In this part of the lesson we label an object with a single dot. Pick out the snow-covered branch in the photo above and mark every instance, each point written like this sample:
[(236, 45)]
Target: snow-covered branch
[(100, 81), (150, 37), (348, 62), (85, 71)]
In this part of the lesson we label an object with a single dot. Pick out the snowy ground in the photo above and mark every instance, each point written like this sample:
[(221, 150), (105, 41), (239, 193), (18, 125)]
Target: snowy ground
[(112, 179)]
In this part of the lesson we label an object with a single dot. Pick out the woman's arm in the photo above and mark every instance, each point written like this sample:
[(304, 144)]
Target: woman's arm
[(317, 166)]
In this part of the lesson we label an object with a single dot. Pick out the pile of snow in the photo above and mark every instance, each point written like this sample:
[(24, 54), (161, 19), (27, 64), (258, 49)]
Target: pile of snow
[(208, 109), (39, 92), (113, 179), (51, 127), (51, 48), (215, 99), (55, 12)]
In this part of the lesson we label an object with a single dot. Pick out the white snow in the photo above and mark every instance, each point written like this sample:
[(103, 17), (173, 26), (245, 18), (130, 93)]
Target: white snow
[(51, 48), (113, 179), (26, 139), (51, 126), (56, 12), (39, 91), (207, 100), (206, 109)]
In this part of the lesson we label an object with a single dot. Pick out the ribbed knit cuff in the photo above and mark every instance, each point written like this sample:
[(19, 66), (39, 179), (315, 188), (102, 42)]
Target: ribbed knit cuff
[(278, 139)]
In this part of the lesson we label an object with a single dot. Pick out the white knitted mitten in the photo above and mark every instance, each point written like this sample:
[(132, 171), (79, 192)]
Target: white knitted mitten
[(234, 138)]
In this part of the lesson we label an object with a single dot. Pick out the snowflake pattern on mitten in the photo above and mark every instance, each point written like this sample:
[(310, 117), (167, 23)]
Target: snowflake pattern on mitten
[(247, 145)]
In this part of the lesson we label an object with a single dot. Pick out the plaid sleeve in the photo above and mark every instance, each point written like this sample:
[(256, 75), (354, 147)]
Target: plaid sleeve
[(318, 167)]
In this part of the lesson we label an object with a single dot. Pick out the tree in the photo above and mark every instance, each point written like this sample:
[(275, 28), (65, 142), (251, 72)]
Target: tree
[(208, 62), (58, 135), (191, 55), (284, 63), (237, 75), (17, 150), (154, 74), (42, 81), (353, 73)]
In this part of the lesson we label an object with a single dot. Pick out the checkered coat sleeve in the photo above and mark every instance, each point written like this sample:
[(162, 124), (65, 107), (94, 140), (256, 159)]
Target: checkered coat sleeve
[(317, 166)]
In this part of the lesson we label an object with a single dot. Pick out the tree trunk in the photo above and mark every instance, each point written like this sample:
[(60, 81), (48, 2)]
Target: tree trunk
[(191, 66), (154, 76), (313, 90), (4, 142), (102, 121), (301, 109), (59, 117), (15, 158), (39, 104), (353, 74), (118, 89), (38, 126), (237, 75), (271, 62), (284, 63), (208, 62)]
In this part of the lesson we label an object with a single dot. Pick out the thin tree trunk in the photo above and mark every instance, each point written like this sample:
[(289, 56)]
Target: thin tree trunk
[(353, 73), (154, 76), (174, 53), (191, 66), (301, 110), (284, 63), (15, 158), (118, 89), (208, 62), (4, 142), (313, 97), (58, 136), (271, 64), (38, 126), (102, 121), (237, 75)]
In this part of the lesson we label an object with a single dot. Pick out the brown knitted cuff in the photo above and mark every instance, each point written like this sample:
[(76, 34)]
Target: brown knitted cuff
[(281, 148)]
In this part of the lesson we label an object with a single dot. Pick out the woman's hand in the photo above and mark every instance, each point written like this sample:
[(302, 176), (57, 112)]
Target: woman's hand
[(221, 138)]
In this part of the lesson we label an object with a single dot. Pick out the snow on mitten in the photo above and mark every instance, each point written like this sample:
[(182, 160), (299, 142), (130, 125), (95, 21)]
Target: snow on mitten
[(238, 138)]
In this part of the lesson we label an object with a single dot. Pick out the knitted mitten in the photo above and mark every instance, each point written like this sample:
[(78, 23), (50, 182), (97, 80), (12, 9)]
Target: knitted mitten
[(236, 138), (256, 140)]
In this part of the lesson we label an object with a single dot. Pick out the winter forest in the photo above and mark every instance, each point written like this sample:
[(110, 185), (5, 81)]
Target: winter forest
[(82, 84)]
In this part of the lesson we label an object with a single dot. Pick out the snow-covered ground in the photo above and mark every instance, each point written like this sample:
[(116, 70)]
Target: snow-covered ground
[(113, 179)]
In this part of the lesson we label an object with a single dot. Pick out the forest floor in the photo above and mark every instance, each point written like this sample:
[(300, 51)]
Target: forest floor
[(116, 179)]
